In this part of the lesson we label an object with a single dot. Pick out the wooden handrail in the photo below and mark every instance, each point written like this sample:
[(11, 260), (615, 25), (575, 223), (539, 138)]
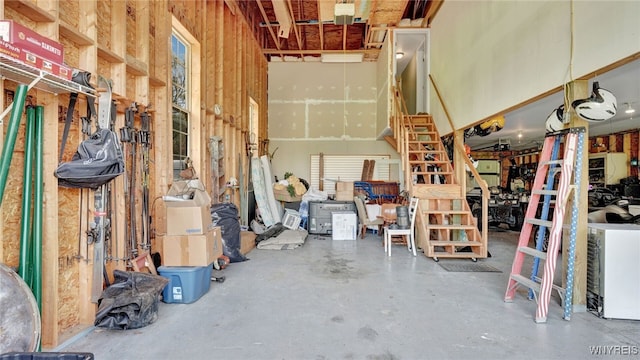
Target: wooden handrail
[(459, 147)]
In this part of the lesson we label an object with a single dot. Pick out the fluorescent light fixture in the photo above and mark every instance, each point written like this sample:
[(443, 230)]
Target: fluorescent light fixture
[(399, 55), (342, 57)]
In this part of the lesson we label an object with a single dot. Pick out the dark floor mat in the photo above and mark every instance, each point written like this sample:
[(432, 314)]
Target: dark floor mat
[(467, 266)]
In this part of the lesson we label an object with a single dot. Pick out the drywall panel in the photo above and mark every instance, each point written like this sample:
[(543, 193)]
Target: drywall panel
[(326, 120), (294, 155), (291, 119), (360, 121), (489, 55), (322, 100)]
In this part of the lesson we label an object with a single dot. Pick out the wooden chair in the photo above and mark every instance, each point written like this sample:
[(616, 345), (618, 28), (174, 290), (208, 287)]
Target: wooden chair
[(409, 233), (364, 218)]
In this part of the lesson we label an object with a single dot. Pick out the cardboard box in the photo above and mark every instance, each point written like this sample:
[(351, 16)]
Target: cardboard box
[(29, 40), (247, 241), (344, 191), (344, 225), (344, 186), (191, 250), (187, 208), (21, 55)]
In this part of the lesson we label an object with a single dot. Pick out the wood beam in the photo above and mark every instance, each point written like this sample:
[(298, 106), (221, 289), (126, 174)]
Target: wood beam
[(266, 20), (320, 27), (344, 37), (296, 31), (50, 307), (578, 89), (87, 60), (319, 52)]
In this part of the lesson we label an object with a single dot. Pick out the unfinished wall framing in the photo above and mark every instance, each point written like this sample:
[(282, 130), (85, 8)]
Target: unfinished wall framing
[(128, 43)]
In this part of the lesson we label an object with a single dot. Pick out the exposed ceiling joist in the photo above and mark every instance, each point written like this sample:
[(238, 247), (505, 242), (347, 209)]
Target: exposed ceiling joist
[(312, 22)]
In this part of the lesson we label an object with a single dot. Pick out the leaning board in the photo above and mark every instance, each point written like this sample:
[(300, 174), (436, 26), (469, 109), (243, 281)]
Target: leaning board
[(260, 192), (274, 205)]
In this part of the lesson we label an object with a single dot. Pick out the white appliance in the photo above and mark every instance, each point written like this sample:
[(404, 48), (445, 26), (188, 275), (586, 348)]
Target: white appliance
[(614, 269)]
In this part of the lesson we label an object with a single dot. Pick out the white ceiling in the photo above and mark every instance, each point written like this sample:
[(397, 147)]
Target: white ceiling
[(623, 82)]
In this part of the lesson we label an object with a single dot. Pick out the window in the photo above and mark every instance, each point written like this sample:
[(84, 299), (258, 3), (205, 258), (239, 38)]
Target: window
[(180, 102)]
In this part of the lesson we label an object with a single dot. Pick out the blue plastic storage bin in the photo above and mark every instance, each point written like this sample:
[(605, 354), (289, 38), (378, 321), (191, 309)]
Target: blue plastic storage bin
[(186, 283)]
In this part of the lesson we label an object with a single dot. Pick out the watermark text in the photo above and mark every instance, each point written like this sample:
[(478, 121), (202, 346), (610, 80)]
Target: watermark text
[(630, 350)]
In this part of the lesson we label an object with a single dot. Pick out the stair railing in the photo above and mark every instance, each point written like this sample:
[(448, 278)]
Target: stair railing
[(458, 147)]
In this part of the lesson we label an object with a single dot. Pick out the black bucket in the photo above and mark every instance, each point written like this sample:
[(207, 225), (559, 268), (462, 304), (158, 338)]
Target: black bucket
[(402, 217)]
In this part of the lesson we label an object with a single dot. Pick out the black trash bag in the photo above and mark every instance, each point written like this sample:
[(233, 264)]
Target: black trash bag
[(131, 302), (97, 161), (225, 215)]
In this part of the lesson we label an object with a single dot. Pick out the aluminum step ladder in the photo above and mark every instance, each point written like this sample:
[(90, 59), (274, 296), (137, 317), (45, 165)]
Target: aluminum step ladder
[(548, 167)]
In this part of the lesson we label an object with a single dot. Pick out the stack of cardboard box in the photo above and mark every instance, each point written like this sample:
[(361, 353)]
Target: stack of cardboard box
[(190, 240), (190, 245)]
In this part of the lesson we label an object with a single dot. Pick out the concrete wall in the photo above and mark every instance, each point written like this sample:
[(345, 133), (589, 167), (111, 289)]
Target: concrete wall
[(489, 55)]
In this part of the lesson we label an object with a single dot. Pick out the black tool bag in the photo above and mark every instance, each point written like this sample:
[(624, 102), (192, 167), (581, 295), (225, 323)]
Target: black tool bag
[(98, 159)]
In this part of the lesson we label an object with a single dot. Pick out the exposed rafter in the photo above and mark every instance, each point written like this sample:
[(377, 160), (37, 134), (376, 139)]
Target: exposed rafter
[(312, 23)]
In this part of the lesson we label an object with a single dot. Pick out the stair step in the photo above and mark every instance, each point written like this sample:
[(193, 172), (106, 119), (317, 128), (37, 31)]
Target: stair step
[(429, 162), (424, 141), (436, 162), (423, 151), (426, 132), (432, 172), (454, 243), (526, 282), (446, 212), (440, 192), (451, 227), (533, 252)]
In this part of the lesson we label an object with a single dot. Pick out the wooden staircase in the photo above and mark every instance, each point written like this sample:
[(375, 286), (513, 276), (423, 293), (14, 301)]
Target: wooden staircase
[(445, 226)]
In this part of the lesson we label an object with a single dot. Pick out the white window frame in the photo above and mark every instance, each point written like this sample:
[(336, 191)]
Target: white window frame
[(193, 91)]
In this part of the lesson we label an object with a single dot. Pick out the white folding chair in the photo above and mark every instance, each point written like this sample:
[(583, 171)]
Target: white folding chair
[(408, 233)]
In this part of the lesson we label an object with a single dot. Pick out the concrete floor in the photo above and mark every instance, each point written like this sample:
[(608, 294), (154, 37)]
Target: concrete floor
[(347, 300)]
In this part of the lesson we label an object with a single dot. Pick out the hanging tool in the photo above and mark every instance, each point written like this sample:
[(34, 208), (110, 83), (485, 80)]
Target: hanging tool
[(100, 198), (129, 135), (573, 140), (145, 141)]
